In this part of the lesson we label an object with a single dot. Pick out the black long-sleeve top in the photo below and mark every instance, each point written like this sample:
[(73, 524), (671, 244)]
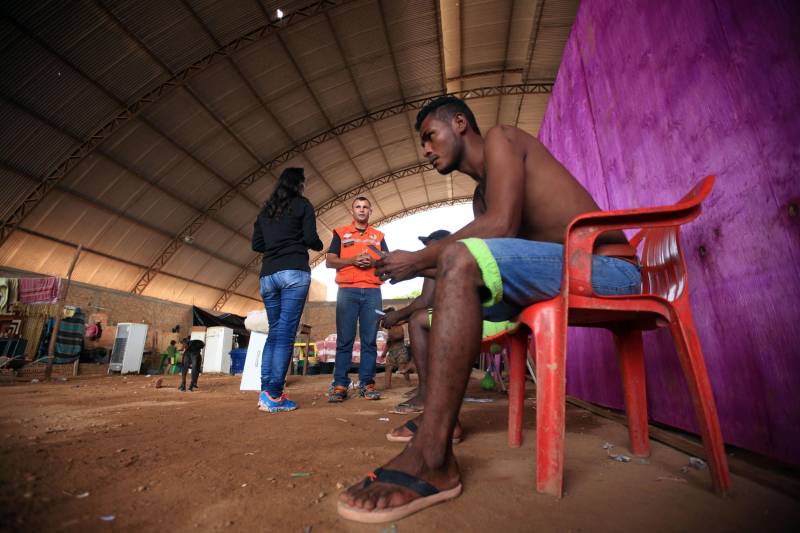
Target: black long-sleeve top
[(285, 240)]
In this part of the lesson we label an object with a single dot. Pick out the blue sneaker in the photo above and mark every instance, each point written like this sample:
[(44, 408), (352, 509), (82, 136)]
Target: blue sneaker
[(275, 405)]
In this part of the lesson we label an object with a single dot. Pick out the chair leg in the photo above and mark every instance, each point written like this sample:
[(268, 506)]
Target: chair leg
[(690, 354), (516, 387), (630, 354), (549, 327)]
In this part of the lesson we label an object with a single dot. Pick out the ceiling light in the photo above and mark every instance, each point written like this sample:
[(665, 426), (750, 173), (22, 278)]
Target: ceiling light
[(188, 239), (279, 14)]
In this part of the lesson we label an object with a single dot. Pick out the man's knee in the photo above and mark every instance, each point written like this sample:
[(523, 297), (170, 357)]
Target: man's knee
[(419, 318), (456, 260)]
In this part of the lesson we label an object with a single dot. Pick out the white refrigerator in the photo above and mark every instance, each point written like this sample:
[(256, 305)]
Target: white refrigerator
[(217, 356), (126, 356)]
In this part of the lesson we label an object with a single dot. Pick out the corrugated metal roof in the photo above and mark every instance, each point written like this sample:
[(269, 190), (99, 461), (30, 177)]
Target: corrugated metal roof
[(229, 20), (74, 67)]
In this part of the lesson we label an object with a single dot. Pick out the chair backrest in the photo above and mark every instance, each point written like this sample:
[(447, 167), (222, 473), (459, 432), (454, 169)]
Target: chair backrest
[(663, 265)]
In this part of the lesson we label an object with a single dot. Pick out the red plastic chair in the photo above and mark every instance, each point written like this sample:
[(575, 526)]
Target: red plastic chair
[(664, 302)]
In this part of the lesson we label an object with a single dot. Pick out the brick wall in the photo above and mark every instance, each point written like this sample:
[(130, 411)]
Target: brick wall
[(110, 307)]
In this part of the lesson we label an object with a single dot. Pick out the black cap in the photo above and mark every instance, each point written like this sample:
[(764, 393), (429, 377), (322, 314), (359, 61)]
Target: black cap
[(435, 236)]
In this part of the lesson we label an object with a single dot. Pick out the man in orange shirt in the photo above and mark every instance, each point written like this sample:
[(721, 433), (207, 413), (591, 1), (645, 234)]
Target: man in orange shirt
[(358, 298)]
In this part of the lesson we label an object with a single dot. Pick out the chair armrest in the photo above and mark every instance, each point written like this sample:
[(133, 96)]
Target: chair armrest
[(584, 230)]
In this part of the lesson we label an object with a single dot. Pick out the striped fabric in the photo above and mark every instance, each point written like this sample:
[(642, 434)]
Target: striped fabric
[(69, 339)]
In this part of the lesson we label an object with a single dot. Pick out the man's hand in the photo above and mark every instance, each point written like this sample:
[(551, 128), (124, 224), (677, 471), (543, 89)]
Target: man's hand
[(390, 319), (398, 266), (362, 260)]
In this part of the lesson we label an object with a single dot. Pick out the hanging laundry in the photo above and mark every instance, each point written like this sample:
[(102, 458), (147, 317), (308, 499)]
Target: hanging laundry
[(44, 338), (94, 331), (39, 290), (9, 294)]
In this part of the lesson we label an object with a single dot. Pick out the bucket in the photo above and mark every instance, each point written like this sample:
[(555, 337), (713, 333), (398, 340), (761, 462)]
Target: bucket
[(238, 357)]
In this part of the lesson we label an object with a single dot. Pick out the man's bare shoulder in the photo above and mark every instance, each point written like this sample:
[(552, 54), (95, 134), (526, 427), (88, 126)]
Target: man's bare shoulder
[(502, 133)]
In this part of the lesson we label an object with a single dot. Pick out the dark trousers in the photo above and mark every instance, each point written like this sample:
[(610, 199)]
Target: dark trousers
[(190, 360)]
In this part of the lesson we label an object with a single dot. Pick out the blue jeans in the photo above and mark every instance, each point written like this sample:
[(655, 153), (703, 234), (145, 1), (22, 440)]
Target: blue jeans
[(284, 294), (356, 305), (519, 272)]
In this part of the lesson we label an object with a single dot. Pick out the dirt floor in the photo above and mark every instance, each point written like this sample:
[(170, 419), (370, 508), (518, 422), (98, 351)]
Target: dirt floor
[(114, 453)]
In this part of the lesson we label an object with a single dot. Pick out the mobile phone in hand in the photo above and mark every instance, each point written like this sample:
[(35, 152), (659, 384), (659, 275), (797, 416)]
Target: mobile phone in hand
[(381, 253)]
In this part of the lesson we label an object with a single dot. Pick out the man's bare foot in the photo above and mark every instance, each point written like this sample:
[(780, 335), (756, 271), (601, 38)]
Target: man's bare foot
[(405, 432), (377, 495)]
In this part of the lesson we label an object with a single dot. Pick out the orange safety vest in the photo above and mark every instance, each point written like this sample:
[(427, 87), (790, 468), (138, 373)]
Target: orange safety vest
[(353, 242)]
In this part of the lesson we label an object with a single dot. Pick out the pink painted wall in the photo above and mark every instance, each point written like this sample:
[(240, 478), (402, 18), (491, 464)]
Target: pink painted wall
[(651, 96)]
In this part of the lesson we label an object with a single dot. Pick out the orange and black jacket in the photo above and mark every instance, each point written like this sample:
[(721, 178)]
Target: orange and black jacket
[(349, 241)]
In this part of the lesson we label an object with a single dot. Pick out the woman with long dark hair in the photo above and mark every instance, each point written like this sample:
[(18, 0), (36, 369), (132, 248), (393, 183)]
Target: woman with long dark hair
[(284, 231)]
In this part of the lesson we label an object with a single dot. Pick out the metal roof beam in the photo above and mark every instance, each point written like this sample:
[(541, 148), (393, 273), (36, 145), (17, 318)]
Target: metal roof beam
[(302, 77), (510, 20), (191, 93), (353, 192), (45, 186), (133, 110), (364, 109), (440, 41), (537, 20), (108, 94), (120, 260), (35, 197)]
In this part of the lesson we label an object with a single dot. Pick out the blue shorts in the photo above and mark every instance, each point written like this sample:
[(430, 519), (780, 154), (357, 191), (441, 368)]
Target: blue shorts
[(518, 272)]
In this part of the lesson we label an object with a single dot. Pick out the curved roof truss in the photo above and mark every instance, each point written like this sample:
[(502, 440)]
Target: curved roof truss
[(132, 111), (544, 87), (320, 257), (171, 122)]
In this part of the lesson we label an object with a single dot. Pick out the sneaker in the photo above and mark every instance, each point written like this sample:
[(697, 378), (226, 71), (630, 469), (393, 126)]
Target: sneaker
[(369, 392), (338, 394), (351, 386), (275, 405), (182, 388)]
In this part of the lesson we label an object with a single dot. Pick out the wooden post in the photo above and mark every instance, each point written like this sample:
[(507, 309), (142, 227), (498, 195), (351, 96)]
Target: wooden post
[(305, 329), (60, 311)]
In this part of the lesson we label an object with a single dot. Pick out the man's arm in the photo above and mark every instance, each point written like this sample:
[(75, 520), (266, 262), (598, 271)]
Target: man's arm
[(423, 301), (504, 193), (332, 259)]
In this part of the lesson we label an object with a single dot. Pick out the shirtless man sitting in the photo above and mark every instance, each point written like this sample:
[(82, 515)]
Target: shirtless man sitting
[(506, 259)]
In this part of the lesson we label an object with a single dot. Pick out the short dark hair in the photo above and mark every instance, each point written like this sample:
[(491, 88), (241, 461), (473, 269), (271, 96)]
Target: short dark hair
[(445, 107), (363, 199)]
